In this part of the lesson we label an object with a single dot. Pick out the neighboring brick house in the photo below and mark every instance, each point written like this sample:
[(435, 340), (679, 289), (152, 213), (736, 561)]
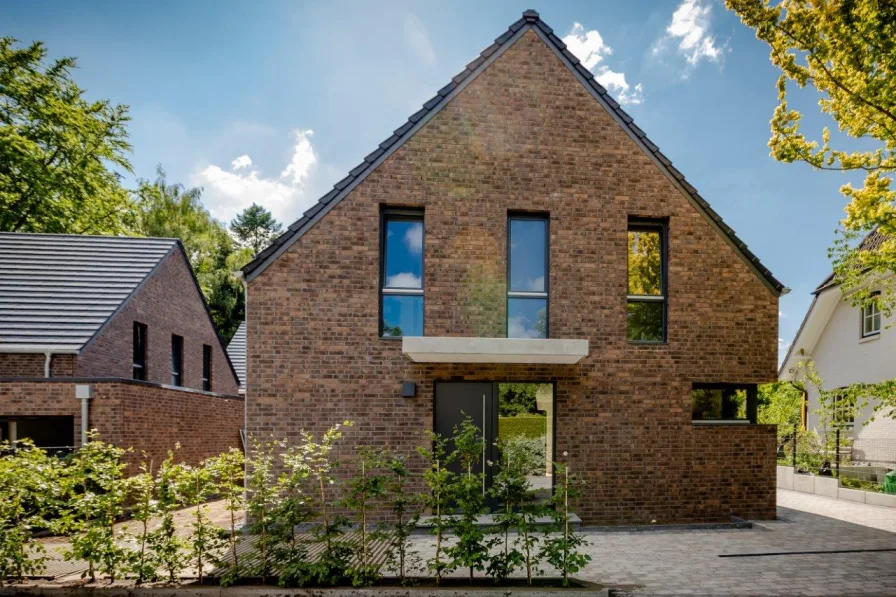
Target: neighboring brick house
[(521, 228), (124, 321)]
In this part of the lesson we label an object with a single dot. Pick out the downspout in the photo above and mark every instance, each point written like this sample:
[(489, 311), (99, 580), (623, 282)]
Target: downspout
[(84, 392), (47, 362)]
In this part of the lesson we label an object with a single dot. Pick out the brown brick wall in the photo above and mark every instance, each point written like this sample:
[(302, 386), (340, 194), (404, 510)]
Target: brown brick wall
[(168, 303), (135, 415), (32, 365), (525, 135)]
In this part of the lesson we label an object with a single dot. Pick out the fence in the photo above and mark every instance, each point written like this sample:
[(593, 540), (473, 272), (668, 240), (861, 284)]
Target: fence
[(861, 462)]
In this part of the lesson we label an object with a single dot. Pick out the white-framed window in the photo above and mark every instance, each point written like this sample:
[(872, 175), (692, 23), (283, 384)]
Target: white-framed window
[(870, 319)]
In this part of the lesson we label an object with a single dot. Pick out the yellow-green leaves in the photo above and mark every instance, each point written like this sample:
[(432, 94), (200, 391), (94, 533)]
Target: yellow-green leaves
[(846, 51)]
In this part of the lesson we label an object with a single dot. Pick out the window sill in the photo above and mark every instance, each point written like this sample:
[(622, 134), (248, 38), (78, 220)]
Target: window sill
[(722, 422), (870, 338)]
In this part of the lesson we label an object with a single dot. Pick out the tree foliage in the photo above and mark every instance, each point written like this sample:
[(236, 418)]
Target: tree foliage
[(255, 228), (171, 210), (846, 51), (58, 151)]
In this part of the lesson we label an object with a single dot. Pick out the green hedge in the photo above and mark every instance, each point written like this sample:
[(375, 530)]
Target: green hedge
[(524, 425)]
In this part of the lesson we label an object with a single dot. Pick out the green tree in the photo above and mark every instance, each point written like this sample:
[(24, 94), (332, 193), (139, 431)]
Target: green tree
[(255, 228), (58, 151), (846, 51), (780, 403), (171, 210)]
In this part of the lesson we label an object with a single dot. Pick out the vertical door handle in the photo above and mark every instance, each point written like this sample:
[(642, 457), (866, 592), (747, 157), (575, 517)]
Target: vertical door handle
[(484, 440)]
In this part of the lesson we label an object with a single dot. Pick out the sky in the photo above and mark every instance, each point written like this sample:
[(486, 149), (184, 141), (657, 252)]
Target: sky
[(273, 101)]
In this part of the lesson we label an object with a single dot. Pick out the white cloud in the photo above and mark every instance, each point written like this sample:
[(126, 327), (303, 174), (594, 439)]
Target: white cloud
[(413, 238), (589, 47), (534, 284), (690, 27), (227, 192), (404, 280), (518, 327), (416, 38), (243, 161)]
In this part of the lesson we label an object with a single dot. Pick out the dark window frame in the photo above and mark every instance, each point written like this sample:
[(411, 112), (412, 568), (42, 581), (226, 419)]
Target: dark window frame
[(206, 368), (177, 360), (546, 295), (139, 368), (661, 225), (874, 311), (406, 214), (751, 407)]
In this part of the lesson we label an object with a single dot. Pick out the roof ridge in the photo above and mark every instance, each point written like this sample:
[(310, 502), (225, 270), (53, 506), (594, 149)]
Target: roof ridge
[(530, 19), (87, 236)]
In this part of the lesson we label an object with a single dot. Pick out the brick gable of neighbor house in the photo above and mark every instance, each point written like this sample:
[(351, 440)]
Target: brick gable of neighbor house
[(168, 303), (525, 135)]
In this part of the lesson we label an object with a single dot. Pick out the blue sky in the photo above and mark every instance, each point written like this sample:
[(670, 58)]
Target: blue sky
[(275, 101)]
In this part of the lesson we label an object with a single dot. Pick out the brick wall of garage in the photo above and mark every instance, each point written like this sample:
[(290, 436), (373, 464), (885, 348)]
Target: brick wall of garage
[(129, 414), (526, 136)]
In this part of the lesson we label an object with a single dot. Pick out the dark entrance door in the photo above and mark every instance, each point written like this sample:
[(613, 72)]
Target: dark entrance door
[(454, 402)]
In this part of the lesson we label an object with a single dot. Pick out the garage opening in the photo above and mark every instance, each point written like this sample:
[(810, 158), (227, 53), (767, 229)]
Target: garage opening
[(54, 434)]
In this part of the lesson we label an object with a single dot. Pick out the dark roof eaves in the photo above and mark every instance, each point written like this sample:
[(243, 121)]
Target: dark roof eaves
[(318, 211)]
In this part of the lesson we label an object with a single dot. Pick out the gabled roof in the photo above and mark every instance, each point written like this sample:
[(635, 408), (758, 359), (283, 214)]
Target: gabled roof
[(58, 290), (529, 22), (871, 242), (236, 350)]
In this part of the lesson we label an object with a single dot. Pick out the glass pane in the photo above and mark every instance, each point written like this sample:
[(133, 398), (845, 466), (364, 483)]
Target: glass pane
[(527, 318), (404, 254), (719, 404), (645, 266), (402, 315), (528, 258), (525, 431), (645, 321)]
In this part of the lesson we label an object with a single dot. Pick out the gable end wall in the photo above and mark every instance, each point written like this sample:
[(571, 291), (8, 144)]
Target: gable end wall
[(526, 136)]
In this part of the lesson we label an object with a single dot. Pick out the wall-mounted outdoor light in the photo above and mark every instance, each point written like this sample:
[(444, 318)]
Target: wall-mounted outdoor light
[(408, 389)]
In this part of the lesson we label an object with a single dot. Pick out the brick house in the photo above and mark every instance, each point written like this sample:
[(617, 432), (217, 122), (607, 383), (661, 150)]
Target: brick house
[(115, 329), (519, 249)]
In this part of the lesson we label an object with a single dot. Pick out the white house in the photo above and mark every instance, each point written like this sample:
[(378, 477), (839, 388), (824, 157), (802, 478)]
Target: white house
[(847, 344)]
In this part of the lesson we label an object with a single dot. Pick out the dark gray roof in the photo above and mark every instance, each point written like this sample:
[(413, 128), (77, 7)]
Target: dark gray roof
[(58, 290), (529, 21), (236, 350), (872, 242)]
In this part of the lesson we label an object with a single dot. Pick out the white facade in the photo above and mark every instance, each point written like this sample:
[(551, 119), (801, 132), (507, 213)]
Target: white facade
[(831, 337)]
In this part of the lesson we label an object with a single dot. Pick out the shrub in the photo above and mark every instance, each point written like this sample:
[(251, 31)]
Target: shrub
[(526, 453), (96, 491), (29, 498), (525, 425), (439, 480)]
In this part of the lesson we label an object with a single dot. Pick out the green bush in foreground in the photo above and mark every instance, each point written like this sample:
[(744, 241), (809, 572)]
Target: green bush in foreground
[(288, 488)]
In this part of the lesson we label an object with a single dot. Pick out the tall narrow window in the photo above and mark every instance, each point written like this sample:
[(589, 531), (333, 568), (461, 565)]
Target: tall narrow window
[(871, 319), (401, 273), (646, 308), (527, 279), (177, 360), (139, 351), (206, 367)]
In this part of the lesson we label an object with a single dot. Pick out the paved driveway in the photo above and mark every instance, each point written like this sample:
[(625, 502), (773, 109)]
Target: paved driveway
[(689, 562)]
